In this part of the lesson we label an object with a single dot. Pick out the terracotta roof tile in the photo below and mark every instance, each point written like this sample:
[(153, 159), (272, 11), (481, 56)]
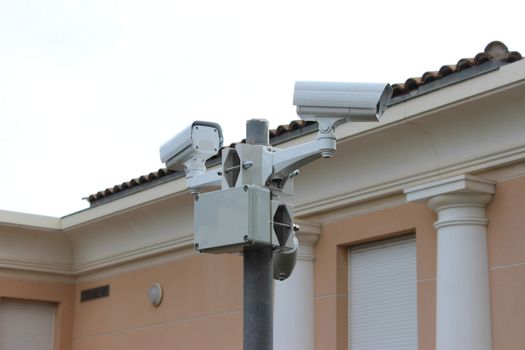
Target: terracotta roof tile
[(446, 70), (495, 51), (150, 178)]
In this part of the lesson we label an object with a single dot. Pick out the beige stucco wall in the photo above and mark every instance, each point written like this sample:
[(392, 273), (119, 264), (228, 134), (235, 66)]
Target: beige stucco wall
[(506, 245), (201, 309), (60, 293), (331, 269)]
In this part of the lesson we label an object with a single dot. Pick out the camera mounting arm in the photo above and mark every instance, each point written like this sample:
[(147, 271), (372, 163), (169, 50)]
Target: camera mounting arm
[(211, 178), (287, 160)]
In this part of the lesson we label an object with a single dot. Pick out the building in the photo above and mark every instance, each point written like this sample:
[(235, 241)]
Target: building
[(411, 237)]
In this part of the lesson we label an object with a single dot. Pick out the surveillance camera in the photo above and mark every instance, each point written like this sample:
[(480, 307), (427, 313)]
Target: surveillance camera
[(356, 102), (190, 149)]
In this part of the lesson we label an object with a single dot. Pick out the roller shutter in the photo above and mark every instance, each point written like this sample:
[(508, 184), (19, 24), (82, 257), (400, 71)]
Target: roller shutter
[(26, 325), (383, 295)]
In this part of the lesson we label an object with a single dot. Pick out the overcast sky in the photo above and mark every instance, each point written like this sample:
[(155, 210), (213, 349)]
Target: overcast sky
[(89, 90)]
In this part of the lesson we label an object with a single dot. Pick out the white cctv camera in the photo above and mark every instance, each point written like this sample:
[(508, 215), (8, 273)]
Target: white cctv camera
[(190, 149), (356, 102)]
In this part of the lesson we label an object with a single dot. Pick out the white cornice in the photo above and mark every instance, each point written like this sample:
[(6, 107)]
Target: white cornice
[(136, 254), (11, 218), (398, 186), (68, 269), (137, 264), (121, 205), (44, 276), (40, 265), (455, 184)]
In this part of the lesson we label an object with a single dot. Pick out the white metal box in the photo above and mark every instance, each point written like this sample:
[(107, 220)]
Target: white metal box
[(229, 220)]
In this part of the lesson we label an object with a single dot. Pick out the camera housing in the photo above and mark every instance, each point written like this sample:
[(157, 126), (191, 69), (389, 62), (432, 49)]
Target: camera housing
[(355, 102), (190, 148)]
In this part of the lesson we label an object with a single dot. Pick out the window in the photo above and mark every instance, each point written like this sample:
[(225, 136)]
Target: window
[(383, 295), (26, 325)]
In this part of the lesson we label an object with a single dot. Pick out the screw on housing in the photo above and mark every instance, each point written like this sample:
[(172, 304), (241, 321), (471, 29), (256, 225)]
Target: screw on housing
[(247, 164)]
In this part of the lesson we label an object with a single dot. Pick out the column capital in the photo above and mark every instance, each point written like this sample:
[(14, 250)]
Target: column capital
[(309, 232), (462, 189), (459, 199), (308, 235)]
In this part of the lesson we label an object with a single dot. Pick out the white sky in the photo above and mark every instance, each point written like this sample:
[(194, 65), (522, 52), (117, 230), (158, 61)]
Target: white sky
[(89, 90)]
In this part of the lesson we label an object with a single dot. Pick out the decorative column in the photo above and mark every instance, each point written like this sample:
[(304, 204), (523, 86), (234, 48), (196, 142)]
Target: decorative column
[(463, 319), (293, 315)]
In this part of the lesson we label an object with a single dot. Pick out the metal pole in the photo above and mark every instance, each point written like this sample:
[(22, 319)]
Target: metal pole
[(258, 282), (257, 132), (258, 299)]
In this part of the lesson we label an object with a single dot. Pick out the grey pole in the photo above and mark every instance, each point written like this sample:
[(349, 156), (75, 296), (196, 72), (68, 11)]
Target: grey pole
[(257, 132), (258, 282)]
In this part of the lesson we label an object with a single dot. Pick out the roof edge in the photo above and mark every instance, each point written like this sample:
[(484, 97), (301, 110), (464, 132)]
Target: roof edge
[(494, 56)]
